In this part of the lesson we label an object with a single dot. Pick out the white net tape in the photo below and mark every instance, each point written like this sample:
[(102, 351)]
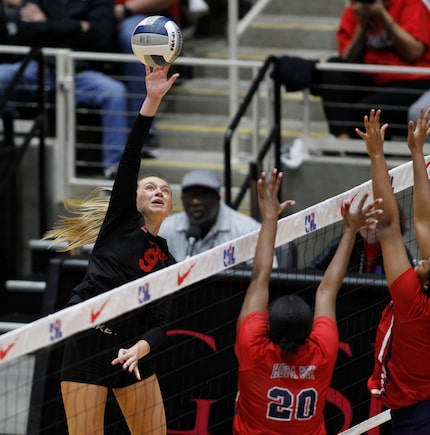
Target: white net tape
[(57, 326), (366, 425)]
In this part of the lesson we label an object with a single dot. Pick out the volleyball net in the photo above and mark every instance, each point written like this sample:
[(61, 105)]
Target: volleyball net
[(196, 365)]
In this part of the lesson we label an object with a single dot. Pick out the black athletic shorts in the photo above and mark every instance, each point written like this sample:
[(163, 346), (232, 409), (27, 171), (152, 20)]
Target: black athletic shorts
[(89, 354)]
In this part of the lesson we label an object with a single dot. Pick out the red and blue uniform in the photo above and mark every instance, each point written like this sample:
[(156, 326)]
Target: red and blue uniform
[(281, 393), (402, 347)]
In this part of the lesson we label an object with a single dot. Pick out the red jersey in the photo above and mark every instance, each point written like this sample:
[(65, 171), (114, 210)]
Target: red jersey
[(281, 393), (173, 9), (402, 346), (412, 15)]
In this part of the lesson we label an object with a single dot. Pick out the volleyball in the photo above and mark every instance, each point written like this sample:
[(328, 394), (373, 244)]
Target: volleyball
[(156, 41)]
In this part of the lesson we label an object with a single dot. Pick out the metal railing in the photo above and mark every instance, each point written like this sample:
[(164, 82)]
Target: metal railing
[(64, 140), (272, 140), (314, 145)]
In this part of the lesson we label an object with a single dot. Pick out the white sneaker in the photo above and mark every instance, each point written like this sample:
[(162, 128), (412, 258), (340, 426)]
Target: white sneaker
[(292, 157), (198, 7)]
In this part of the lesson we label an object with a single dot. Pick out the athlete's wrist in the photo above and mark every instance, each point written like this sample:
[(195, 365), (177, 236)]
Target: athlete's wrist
[(143, 348)]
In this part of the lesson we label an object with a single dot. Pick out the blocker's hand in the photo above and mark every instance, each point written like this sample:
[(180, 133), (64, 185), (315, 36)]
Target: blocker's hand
[(374, 135)]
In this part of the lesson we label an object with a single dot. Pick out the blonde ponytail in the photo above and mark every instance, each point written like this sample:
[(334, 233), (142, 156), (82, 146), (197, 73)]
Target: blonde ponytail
[(81, 227)]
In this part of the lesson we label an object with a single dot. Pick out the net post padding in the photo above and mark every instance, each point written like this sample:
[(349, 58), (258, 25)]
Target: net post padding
[(62, 324)]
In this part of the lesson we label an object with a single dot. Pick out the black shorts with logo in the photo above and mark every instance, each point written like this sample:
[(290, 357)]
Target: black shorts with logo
[(88, 359)]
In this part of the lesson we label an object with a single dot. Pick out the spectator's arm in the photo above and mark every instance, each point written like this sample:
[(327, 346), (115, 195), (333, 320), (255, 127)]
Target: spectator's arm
[(134, 7), (93, 30), (355, 49), (407, 46)]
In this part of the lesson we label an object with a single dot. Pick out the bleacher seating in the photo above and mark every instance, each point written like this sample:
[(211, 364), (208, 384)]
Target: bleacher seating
[(192, 122)]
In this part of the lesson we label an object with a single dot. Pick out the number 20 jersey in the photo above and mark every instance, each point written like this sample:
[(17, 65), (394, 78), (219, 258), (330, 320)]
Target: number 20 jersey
[(283, 393)]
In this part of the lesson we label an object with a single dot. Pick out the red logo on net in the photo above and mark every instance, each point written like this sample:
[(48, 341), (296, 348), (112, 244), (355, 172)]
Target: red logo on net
[(96, 313), (4, 352), (183, 276)]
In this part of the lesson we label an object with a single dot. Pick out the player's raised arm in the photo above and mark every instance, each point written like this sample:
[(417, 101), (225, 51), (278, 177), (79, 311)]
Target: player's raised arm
[(395, 257), (156, 88), (417, 135), (325, 301), (257, 294)]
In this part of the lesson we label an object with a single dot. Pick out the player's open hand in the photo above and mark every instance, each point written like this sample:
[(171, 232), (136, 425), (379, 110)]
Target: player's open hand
[(361, 216), (157, 81), (418, 133), (270, 206), (374, 134)]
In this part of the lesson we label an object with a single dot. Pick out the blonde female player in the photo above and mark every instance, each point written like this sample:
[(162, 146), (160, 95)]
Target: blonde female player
[(116, 355)]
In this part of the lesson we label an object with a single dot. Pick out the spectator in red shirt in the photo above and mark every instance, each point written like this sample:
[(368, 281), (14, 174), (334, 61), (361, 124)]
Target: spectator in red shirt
[(382, 32)]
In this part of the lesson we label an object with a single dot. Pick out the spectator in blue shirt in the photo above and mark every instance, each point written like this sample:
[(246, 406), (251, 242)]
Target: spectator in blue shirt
[(207, 221)]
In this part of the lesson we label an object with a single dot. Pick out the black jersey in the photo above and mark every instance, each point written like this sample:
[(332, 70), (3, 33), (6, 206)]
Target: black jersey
[(125, 250)]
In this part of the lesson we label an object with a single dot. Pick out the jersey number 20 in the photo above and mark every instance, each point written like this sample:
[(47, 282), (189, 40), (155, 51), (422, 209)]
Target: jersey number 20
[(284, 406)]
